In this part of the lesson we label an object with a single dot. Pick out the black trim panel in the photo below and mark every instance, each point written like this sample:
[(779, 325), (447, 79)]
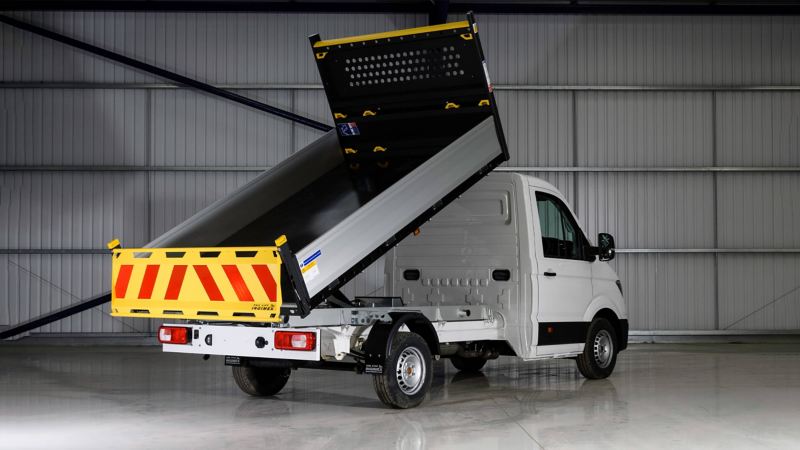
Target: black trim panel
[(623, 338), (558, 333)]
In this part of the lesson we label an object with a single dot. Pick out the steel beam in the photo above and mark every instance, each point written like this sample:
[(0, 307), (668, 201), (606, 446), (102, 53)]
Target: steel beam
[(567, 169), (418, 6), (56, 315), (499, 87), (172, 76)]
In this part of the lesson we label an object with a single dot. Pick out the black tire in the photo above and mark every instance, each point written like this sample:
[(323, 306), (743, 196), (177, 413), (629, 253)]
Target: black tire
[(391, 386), (600, 352), (469, 365), (260, 381)]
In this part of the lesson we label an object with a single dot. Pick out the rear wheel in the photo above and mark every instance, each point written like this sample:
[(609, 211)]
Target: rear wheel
[(407, 374), (600, 352), (260, 381), (470, 365)]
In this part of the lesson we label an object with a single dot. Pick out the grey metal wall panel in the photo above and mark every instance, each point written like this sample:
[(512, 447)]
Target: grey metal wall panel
[(137, 127), (72, 127), (759, 211), (759, 292), (42, 283), (668, 291), (223, 48), (310, 103), (652, 210), (758, 128), (72, 210), (175, 196), (641, 50), (538, 127), (194, 129), (644, 129)]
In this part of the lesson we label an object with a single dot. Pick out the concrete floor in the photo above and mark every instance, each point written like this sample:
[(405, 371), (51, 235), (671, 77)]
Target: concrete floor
[(661, 396)]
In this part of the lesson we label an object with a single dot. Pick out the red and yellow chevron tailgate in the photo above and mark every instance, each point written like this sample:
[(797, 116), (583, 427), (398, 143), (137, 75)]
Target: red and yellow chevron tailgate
[(240, 284)]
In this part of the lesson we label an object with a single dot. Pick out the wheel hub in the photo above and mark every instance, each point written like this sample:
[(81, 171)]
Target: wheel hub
[(603, 349), (410, 371)]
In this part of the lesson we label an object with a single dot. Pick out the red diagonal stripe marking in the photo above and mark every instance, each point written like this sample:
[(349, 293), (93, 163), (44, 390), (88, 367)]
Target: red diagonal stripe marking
[(267, 281), (175, 283), (123, 278), (238, 284), (208, 283), (149, 280)]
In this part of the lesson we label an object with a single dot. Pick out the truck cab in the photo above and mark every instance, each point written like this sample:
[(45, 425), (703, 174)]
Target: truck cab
[(513, 244)]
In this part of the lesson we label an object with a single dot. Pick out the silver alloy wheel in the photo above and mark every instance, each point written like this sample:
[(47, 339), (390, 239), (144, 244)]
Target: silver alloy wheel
[(603, 349), (410, 371)]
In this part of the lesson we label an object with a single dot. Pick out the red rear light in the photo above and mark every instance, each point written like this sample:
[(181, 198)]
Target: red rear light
[(295, 340), (173, 335)]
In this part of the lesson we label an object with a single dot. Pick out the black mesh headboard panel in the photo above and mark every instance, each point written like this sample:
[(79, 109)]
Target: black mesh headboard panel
[(399, 97)]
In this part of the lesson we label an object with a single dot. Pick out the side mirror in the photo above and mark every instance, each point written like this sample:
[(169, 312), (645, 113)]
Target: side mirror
[(605, 247)]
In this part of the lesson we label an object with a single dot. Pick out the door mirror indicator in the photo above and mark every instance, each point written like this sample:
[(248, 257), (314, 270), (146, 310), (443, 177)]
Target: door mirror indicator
[(606, 249)]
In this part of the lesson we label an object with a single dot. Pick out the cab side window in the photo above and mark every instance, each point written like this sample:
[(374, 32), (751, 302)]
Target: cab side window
[(561, 237)]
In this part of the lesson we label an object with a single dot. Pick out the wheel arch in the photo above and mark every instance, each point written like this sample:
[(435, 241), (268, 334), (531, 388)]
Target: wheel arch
[(620, 325), (378, 345)]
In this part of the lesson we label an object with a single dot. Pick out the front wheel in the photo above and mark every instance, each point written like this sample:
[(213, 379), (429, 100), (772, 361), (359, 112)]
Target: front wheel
[(407, 373), (260, 381), (600, 352)]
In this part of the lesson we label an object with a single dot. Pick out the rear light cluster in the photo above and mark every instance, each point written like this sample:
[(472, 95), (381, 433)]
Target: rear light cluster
[(295, 340), (174, 335)]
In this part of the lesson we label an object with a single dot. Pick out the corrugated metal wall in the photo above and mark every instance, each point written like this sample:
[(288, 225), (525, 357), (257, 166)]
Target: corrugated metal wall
[(652, 126)]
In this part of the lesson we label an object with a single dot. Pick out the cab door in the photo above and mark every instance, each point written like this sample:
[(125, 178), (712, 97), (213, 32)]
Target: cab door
[(564, 275)]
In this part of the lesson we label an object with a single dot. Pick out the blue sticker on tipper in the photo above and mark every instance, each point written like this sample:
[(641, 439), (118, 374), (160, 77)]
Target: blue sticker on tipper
[(311, 258), (348, 129)]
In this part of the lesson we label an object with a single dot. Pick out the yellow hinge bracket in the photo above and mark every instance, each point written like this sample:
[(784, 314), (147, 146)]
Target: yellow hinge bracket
[(113, 244)]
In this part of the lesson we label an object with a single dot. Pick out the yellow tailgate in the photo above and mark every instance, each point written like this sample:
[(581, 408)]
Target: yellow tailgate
[(239, 284)]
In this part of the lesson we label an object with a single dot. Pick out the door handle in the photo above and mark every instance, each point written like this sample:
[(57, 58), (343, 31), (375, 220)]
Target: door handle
[(550, 274)]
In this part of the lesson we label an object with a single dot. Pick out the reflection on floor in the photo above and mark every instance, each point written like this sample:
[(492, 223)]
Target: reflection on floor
[(662, 396)]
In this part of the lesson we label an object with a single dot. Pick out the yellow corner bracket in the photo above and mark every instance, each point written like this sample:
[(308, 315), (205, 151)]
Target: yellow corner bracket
[(281, 240), (339, 116), (451, 105), (113, 244), (484, 102), (368, 113), (378, 148), (321, 55), (350, 151)]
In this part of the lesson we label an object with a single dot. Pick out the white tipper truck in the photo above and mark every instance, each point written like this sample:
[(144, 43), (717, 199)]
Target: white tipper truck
[(479, 264)]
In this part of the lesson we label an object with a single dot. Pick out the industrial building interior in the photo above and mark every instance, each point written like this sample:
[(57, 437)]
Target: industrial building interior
[(674, 126)]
